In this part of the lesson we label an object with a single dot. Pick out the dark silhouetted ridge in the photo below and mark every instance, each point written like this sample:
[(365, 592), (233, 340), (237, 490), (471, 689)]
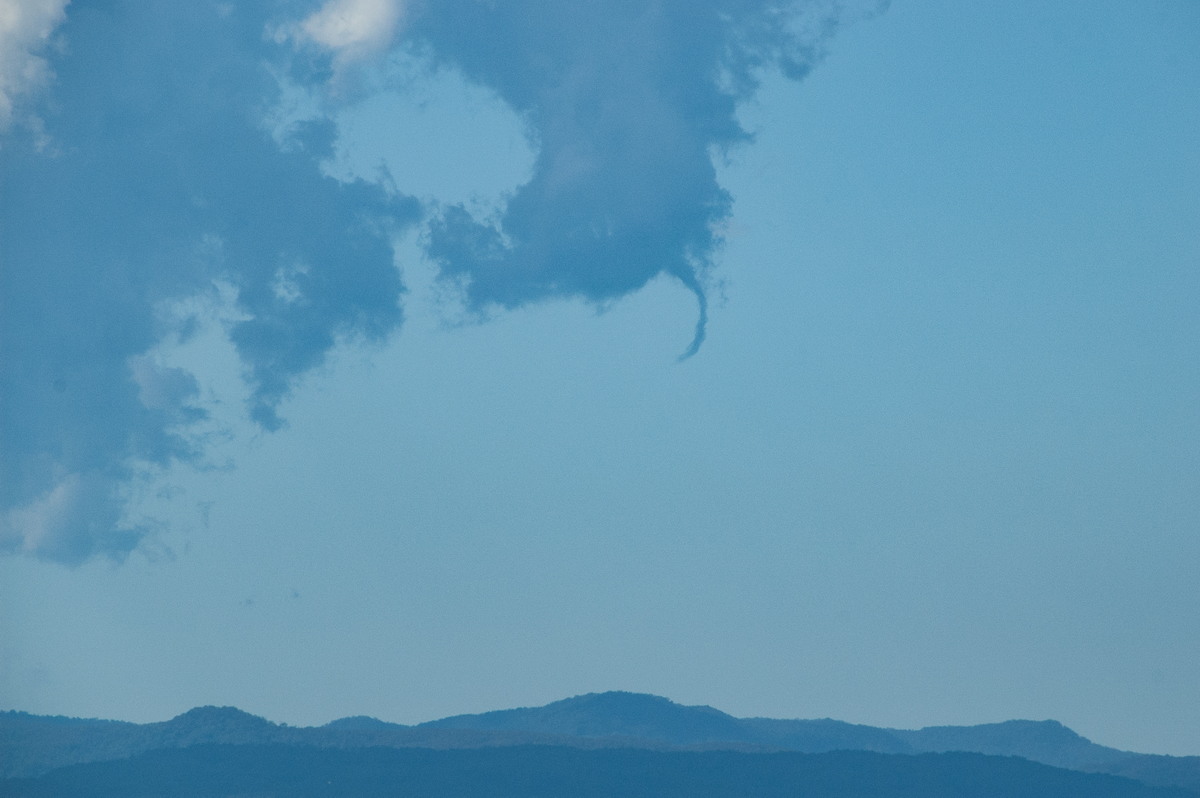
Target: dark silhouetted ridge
[(552, 772)]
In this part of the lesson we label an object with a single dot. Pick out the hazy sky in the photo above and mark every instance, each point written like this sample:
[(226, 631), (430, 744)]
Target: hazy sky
[(409, 359)]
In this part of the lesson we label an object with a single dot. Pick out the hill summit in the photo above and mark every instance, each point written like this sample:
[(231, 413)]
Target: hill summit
[(611, 714)]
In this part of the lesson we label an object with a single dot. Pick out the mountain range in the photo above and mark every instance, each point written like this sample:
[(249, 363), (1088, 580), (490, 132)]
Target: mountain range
[(36, 748)]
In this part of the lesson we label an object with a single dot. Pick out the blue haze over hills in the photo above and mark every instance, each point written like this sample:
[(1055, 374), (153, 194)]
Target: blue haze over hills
[(616, 720), (345, 334)]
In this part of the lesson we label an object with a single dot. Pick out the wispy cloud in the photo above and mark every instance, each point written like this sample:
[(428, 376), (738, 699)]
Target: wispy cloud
[(25, 29)]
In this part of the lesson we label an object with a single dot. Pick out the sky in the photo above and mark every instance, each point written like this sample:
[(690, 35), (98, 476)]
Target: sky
[(802, 359)]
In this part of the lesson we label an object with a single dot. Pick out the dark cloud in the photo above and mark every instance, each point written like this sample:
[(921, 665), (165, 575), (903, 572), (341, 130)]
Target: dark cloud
[(157, 176), (628, 101)]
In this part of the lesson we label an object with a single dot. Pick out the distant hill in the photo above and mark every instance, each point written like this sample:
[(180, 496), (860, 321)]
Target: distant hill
[(31, 745), (207, 771), (1046, 741), (649, 717), (608, 714), (34, 744)]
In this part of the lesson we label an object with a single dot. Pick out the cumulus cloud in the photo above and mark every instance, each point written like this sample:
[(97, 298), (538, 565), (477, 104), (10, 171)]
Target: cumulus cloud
[(349, 31), (25, 28), (354, 27), (162, 181)]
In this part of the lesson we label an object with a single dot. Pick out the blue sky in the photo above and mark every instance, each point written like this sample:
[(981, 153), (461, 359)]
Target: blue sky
[(340, 359)]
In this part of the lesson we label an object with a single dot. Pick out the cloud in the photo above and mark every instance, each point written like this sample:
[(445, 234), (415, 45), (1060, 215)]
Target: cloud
[(163, 180), (628, 102), (354, 27), (25, 28), (72, 521), (162, 172), (350, 31)]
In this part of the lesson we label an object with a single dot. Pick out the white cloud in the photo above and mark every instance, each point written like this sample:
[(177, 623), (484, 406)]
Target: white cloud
[(25, 28), (354, 29)]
